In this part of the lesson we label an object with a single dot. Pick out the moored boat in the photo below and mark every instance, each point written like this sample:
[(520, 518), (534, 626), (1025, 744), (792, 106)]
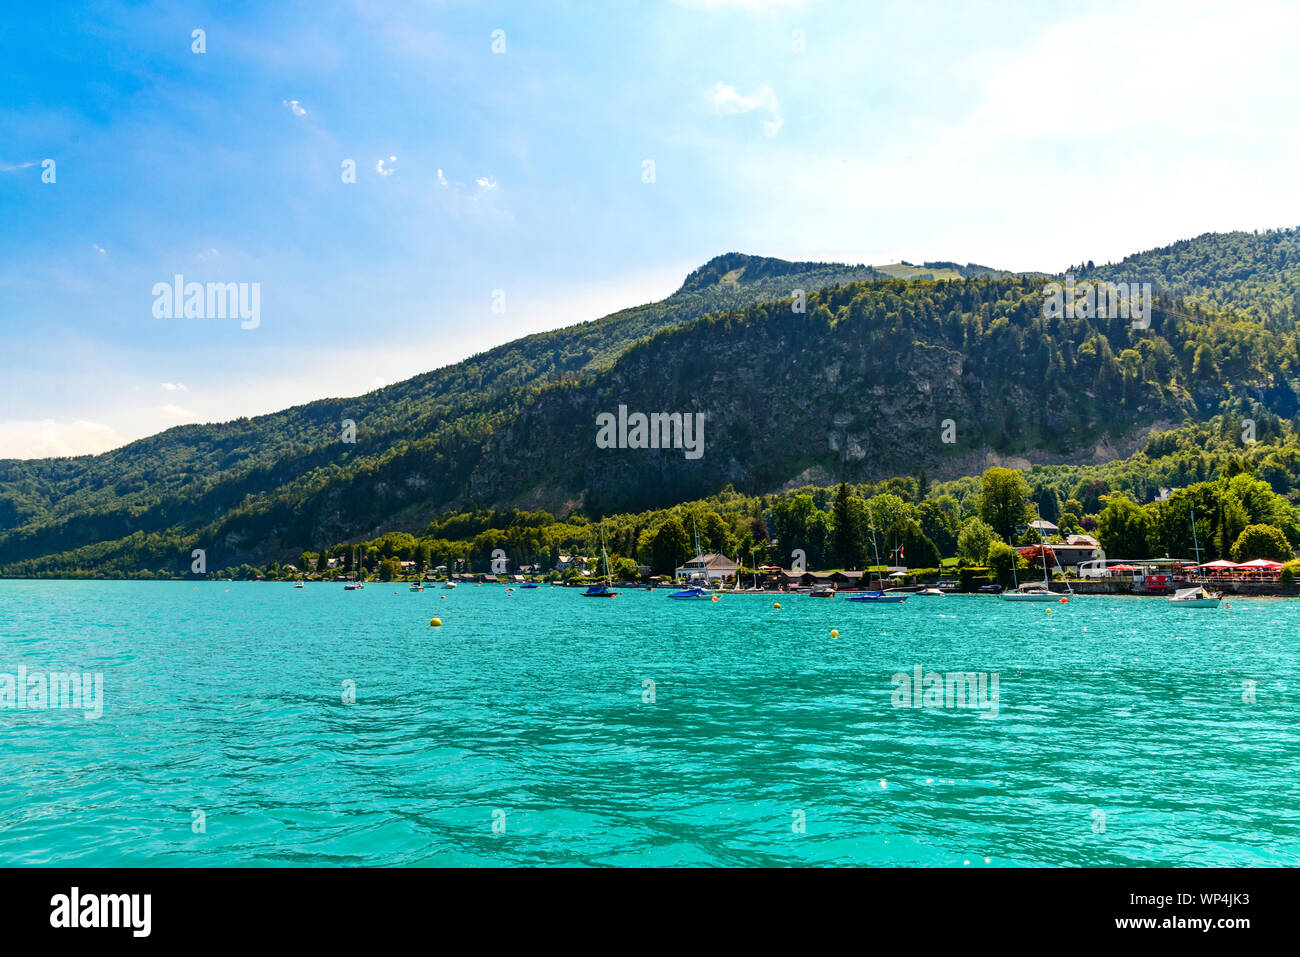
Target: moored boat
[(1030, 591), (879, 597), (1034, 591), (822, 591), (1196, 597), (695, 591), (601, 591)]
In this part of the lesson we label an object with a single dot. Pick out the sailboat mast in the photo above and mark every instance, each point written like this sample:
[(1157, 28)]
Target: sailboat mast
[(875, 549), (1042, 548), (604, 554), (1191, 513)]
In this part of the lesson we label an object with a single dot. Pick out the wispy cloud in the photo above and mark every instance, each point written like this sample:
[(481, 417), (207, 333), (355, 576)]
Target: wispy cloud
[(727, 100), (379, 167), (177, 413), (43, 438), (295, 107), (442, 180), (487, 182), (175, 387), (14, 167), (99, 249)]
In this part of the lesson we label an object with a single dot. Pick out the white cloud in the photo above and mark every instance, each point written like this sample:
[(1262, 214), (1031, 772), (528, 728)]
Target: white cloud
[(11, 168), (98, 248), (176, 413), (175, 387), (727, 100), (379, 167), (442, 180), (45, 438), (487, 182), (295, 107)]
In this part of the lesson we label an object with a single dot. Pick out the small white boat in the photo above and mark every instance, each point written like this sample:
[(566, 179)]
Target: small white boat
[(930, 593), (1198, 597), (448, 584), (416, 586), (299, 585), (694, 592), (1031, 591)]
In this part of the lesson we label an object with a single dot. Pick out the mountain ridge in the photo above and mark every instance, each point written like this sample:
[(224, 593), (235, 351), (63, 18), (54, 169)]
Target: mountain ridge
[(273, 483)]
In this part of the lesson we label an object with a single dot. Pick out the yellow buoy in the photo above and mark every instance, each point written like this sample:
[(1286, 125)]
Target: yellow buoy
[(776, 604), (1049, 611), (435, 622), (834, 633)]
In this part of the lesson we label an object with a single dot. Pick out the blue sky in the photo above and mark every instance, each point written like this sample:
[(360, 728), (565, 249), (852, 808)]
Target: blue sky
[(1024, 136)]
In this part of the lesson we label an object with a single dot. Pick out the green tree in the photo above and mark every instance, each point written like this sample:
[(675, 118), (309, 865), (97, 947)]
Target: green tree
[(974, 541), (846, 535), (1001, 558), (670, 546), (1125, 529), (940, 526), (1262, 541), (1004, 500)]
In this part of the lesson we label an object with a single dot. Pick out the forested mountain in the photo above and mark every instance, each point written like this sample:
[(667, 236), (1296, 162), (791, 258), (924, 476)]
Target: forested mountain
[(876, 377)]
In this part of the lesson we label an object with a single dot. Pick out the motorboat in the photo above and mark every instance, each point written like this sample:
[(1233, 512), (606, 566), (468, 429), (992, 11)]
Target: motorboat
[(1196, 597), (695, 591), (822, 591), (879, 597)]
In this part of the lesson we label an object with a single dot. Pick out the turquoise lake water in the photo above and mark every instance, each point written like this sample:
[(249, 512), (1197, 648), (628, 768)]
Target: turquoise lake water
[(1121, 735)]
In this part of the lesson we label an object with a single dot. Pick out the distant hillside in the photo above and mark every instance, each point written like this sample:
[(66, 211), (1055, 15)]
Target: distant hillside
[(188, 477), (1251, 275), (859, 386)]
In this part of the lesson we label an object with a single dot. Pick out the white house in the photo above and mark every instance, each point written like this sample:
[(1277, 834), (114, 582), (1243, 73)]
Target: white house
[(710, 567)]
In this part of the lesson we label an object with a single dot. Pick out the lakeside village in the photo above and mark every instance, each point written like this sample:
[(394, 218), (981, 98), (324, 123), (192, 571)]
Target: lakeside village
[(1075, 560), (995, 534), (1075, 564)]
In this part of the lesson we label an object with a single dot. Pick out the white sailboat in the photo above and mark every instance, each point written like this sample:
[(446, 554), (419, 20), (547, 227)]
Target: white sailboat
[(1198, 596), (1034, 591)]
